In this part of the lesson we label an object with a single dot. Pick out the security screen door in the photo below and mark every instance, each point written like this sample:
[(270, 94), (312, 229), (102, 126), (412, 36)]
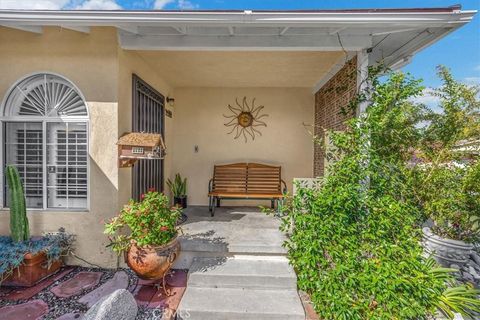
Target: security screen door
[(148, 116)]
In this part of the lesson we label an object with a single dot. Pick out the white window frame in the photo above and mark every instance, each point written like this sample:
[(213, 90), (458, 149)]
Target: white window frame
[(43, 120)]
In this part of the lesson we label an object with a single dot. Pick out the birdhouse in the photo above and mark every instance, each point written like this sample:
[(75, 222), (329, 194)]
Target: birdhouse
[(133, 146)]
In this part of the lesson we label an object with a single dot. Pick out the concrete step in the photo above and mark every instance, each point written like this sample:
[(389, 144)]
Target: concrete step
[(251, 272), (246, 304)]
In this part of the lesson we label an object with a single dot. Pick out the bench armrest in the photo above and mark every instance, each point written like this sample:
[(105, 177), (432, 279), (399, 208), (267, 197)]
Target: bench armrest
[(210, 185), (284, 190)]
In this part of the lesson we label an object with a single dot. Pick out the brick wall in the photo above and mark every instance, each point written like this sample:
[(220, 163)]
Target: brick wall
[(329, 100)]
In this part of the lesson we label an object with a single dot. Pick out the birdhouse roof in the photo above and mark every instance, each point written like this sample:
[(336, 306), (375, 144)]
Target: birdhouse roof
[(141, 139)]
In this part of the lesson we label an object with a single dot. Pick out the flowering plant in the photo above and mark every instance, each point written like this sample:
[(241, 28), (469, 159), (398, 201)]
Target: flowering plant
[(149, 222)]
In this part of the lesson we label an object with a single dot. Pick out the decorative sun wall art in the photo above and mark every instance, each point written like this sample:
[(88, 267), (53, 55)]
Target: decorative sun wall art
[(245, 119)]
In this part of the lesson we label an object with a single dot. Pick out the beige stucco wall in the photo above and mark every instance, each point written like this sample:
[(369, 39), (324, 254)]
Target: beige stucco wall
[(198, 120), (90, 62)]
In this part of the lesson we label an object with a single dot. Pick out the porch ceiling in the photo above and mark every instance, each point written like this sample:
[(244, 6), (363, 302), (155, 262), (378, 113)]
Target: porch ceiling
[(242, 68)]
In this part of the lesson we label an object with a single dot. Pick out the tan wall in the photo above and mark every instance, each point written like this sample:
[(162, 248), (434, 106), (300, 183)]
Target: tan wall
[(131, 63), (90, 62), (198, 120)]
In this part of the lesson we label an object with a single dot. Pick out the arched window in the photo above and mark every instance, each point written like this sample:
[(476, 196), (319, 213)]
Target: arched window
[(45, 135)]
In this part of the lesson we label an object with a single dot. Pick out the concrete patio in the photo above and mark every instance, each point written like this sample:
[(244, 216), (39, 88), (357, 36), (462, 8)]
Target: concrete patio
[(237, 267)]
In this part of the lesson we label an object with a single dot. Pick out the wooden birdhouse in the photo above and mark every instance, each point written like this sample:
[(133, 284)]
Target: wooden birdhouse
[(133, 146)]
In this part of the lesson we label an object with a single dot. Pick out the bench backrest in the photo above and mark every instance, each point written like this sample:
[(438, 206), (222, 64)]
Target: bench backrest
[(248, 178)]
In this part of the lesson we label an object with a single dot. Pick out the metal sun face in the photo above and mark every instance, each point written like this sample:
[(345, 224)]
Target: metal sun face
[(245, 119)]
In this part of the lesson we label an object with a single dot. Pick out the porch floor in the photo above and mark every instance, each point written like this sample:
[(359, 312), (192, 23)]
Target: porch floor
[(233, 230)]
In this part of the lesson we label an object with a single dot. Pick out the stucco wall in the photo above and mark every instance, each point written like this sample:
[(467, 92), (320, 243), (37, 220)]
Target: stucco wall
[(198, 120), (90, 62)]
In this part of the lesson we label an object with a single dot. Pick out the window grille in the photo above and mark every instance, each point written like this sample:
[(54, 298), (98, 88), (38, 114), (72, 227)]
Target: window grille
[(45, 135)]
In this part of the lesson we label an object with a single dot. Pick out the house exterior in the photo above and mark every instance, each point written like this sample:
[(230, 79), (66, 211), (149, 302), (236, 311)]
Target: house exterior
[(74, 81)]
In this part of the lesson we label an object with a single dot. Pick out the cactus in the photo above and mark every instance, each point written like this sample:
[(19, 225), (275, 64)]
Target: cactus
[(19, 228)]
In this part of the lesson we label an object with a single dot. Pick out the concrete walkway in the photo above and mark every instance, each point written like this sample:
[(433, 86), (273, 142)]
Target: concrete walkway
[(237, 267)]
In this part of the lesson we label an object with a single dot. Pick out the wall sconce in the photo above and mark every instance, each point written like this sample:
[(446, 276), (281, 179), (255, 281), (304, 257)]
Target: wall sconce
[(170, 101)]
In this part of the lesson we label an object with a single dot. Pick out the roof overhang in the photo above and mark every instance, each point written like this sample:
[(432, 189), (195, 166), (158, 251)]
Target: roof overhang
[(392, 36)]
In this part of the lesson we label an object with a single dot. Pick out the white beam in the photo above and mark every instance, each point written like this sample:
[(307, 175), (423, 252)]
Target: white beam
[(181, 30), (337, 30), (81, 29), (32, 29), (240, 42), (393, 31), (363, 82), (284, 30), (129, 28)]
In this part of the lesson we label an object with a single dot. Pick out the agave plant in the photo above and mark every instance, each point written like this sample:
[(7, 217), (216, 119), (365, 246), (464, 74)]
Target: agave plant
[(178, 186)]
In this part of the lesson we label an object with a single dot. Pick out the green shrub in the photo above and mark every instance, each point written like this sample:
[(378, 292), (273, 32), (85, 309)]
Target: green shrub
[(355, 243), (448, 175), (149, 222)]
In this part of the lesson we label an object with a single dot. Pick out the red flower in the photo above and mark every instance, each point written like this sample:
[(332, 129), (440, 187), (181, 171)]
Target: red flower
[(142, 196), (151, 190), (164, 228)]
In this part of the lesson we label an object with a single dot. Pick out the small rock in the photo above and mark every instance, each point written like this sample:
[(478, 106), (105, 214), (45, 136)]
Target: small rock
[(467, 276), (120, 305), (475, 257), (474, 273), (455, 266)]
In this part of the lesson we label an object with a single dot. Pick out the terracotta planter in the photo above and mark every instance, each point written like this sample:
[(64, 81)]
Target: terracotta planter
[(446, 251), (32, 270), (152, 263)]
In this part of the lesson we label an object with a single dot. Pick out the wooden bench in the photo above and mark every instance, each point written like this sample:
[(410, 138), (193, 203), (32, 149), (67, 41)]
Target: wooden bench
[(245, 181)]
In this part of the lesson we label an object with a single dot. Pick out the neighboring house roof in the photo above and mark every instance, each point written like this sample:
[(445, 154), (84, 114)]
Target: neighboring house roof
[(391, 36), (468, 146)]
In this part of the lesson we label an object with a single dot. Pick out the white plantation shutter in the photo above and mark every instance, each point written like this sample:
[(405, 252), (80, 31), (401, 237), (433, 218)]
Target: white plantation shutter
[(45, 126)]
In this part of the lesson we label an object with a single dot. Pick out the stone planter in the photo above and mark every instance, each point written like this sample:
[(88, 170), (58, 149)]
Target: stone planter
[(33, 269), (446, 251), (152, 263)]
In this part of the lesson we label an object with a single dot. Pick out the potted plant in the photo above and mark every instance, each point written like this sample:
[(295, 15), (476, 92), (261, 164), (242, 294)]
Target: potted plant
[(448, 184), (146, 233), (24, 261), (178, 187)]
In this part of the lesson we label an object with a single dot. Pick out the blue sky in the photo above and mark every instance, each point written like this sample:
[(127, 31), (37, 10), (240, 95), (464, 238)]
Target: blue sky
[(460, 50)]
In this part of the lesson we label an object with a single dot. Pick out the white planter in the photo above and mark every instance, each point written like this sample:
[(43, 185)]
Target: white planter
[(446, 251)]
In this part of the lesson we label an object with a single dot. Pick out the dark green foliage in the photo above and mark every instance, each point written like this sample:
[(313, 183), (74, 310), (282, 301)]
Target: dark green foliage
[(178, 186), (355, 243), (448, 175), (149, 222), (19, 228)]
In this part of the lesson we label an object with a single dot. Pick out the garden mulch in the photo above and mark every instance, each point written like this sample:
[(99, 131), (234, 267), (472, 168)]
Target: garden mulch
[(72, 291)]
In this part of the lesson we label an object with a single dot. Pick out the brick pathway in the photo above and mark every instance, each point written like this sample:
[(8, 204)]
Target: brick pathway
[(72, 290)]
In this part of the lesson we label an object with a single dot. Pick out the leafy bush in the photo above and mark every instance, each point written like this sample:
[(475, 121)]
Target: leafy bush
[(149, 222), (355, 243), (448, 176)]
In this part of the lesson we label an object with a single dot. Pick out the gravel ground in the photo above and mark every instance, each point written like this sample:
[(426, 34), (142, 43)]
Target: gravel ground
[(60, 306)]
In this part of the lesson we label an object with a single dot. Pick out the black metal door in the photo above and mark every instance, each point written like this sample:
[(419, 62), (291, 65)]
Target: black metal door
[(147, 116)]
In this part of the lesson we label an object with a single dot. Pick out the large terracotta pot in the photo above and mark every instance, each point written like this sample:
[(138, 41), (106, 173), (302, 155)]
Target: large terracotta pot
[(152, 263), (33, 269), (446, 251)]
